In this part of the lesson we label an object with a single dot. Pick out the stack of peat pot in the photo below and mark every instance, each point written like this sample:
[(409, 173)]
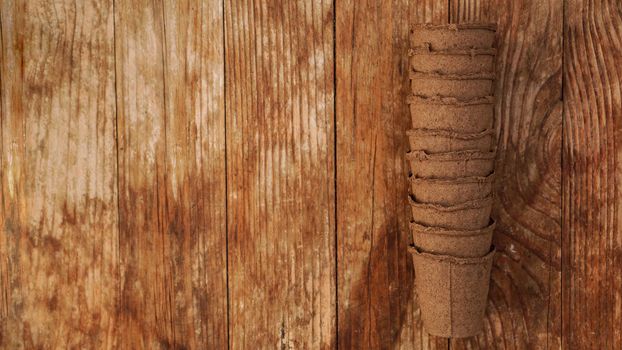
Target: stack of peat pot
[(452, 152)]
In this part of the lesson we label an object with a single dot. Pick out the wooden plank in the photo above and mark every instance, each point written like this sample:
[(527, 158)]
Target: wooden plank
[(58, 249), (280, 166), (377, 305), (524, 309), (420, 11), (592, 239), (465, 11), (170, 96)]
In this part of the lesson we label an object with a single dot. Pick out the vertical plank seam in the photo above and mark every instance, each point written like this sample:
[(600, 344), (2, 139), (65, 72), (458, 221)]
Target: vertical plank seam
[(563, 179), (165, 220), (336, 238), (118, 295), (448, 11), (562, 186), (449, 20), (224, 72), (5, 292), (563, 65)]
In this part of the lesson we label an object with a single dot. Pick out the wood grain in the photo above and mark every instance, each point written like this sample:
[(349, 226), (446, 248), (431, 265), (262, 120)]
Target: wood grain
[(592, 240), (475, 11), (58, 249), (280, 171), (211, 174), (170, 97), (377, 306), (524, 308)]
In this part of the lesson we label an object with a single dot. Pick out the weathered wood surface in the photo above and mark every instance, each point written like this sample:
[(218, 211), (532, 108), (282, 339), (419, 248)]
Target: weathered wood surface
[(524, 310), (280, 173), (170, 107), (213, 174), (377, 306), (58, 249), (592, 239), (70, 277)]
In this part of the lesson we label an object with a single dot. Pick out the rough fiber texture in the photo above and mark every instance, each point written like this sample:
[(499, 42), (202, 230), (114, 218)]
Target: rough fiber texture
[(452, 292), (471, 215), (450, 164), (436, 141), (459, 243), (458, 85), (452, 36), (471, 116), (425, 60), (451, 191)]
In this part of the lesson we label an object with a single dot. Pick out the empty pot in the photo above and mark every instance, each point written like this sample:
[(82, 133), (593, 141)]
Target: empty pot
[(452, 36), (451, 191), (459, 243), (472, 215), (447, 113), (437, 141), (452, 292), (452, 61), (455, 85), (450, 164)]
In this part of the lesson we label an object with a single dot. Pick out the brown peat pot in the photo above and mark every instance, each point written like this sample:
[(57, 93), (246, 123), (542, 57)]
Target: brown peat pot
[(452, 36), (471, 215), (472, 115), (437, 141), (450, 164), (459, 243), (451, 191), (456, 61), (452, 292), (452, 85)]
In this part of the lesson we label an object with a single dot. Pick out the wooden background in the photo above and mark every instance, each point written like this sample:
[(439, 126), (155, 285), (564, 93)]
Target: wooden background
[(186, 174)]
